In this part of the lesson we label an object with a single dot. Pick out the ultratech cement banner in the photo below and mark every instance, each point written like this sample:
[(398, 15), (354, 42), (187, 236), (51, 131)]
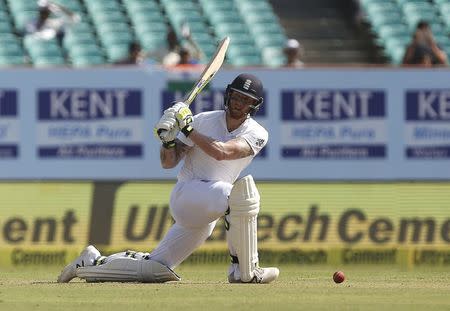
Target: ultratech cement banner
[(323, 223)]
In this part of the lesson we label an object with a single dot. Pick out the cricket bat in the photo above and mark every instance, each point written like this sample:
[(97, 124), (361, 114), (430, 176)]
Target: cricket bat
[(209, 72)]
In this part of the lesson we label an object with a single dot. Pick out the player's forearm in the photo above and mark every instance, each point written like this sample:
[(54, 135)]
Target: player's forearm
[(211, 147), (168, 157)]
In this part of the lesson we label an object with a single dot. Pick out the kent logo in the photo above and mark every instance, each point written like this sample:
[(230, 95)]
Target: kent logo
[(87, 104), (428, 105), (325, 105)]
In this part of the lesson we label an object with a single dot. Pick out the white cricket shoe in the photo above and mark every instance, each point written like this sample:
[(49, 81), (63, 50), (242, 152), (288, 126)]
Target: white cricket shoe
[(262, 275), (86, 258)]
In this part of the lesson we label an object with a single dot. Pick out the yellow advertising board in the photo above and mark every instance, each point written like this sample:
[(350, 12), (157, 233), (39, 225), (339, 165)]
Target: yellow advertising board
[(346, 223), (43, 223)]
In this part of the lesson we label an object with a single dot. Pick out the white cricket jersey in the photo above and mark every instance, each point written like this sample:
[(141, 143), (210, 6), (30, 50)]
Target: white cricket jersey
[(199, 165)]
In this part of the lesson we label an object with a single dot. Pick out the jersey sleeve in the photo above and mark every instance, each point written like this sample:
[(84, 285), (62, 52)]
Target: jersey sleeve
[(257, 139)]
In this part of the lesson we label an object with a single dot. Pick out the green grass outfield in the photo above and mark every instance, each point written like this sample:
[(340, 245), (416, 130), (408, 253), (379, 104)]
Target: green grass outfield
[(205, 288)]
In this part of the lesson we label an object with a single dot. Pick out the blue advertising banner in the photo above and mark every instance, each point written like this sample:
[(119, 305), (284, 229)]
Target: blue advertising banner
[(333, 124), (427, 124), (9, 124), (323, 124), (89, 123)]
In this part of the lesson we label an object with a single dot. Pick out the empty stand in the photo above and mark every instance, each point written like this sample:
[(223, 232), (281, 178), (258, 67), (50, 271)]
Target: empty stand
[(112, 28), (149, 24), (265, 28), (225, 20), (11, 51), (188, 13), (107, 27)]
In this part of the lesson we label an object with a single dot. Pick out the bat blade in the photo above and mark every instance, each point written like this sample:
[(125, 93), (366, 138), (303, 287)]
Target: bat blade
[(210, 71)]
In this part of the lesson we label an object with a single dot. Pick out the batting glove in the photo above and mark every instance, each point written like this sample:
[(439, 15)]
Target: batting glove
[(172, 110), (177, 106), (166, 129), (168, 137), (184, 119)]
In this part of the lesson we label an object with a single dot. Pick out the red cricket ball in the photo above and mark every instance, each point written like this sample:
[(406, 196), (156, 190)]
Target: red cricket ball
[(338, 277)]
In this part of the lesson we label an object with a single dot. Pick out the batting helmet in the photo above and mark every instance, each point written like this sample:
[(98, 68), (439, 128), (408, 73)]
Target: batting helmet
[(250, 86)]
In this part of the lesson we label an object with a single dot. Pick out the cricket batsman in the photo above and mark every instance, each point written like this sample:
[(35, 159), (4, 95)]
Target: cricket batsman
[(215, 147)]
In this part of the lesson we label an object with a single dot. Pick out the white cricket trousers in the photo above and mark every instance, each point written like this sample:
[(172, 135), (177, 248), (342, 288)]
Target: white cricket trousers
[(196, 205)]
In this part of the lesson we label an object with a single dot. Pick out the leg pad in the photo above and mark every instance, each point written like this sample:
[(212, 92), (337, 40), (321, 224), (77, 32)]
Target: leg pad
[(128, 270), (242, 233)]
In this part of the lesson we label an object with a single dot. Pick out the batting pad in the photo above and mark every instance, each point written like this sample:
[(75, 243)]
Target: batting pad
[(128, 270), (242, 233)]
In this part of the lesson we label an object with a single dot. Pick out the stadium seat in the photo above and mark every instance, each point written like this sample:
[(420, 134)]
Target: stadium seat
[(148, 24), (102, 6), (21, 19), (10, 48), (5, 26), (263, 26), (227, 17), (153, 43), (108, 26), (245, 61), (85, 51), (395, 48), (366, 3), (209, 7), (270, 40), (247, 6), (11, 55), (143, 18), (12, 60), (117, 52), (402, 2), (88, 61), (376, 9), (111, 25), (73, 5), (134, 6), (79, 39), (108, 17), (230, 28), (273, 56), (21, 5), (188, 12), (49, 61)]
